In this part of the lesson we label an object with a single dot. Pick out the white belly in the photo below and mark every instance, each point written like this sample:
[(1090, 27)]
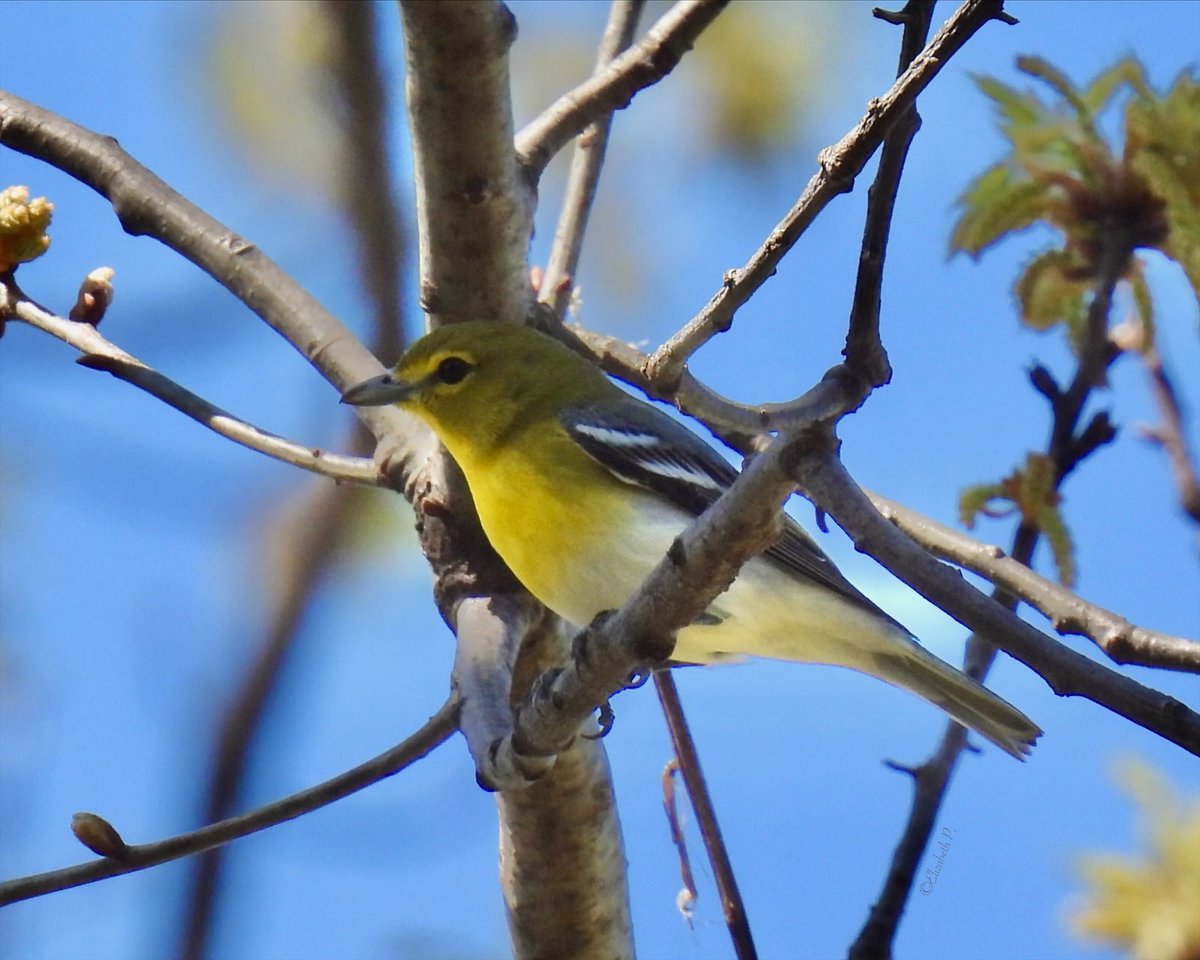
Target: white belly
[(765, 613)]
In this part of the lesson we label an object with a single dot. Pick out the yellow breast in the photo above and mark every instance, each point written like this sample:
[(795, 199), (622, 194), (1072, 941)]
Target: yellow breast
[(577, 538)]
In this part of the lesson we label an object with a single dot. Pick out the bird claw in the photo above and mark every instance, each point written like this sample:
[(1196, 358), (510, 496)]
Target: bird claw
[(604, 722), (637, 679)]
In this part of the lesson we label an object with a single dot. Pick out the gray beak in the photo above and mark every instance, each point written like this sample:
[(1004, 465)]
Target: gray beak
[(377, 392)]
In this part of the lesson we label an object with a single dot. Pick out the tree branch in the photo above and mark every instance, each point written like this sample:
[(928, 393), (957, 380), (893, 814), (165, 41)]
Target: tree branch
[(99, 353), (839, 165), (688, 759), (354, 84), (145, 205), (562, 866), (474, 204), (656, 55), (312, 548), (584, 176), (562, 853), (823, 478), (1170, 435), (365, 184), (436, 731), (1068, 613), (1067, 446), (701, 564), (864, 350)]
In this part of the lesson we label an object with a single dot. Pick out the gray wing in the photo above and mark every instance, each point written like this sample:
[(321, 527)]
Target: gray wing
[(644, 446)]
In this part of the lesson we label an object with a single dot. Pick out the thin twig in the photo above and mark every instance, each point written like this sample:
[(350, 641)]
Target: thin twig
[(732, 905), (1067, 446), (556, 293), (584, 175), (146, 206), (1069, 613), (823, 478), (864, 350), (99, 353), (931, 779), (687, 897), (654, 56), (1170, 435), (436, 731), (839, 165)]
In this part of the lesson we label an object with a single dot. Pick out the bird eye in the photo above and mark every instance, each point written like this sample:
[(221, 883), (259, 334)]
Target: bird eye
[(453, 370)]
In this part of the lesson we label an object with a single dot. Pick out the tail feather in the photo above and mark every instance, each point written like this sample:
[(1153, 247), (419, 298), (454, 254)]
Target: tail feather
[(970, 703)]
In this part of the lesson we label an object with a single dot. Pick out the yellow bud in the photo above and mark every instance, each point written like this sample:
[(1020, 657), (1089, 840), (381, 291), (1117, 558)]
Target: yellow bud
[(23, 224)]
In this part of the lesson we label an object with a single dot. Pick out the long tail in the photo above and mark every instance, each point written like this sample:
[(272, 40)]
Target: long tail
[(915, 669)]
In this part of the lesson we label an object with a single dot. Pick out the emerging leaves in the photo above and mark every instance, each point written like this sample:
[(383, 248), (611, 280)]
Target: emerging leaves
[(1106, 204), (1031, 491), (23, 225), (1146, 905), (1162, 144)]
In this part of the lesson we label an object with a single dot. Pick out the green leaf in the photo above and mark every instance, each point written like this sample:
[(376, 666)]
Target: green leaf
[(1102, 89), (1047, 293), (1183, 246), (1020, 109), (972, 501), (1043, 70), (1050, 521), (993, 206), (1034, 491), (1163, 146), (1034, 484)]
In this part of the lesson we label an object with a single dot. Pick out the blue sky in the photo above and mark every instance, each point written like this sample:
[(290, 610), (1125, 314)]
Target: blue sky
[(134, 577)]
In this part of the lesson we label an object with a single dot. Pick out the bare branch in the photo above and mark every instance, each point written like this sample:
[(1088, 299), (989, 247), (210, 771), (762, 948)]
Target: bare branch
[(99, 353), (436, 731), (1068, 613), (839, 165), (474, 203), (562, 855), (930, 779), (732, 905), (1067, 448), (702, 562), (685, 900), (654, 56), (1170, 435), (864, 350), (145, 205), (823, 478), (584, 175)]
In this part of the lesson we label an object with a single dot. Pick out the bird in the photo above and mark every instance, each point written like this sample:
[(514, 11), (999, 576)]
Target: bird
[(581, 488)]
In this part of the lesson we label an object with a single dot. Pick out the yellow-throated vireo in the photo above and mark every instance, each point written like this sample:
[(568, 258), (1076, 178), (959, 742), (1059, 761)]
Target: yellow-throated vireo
[(582, 488)]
